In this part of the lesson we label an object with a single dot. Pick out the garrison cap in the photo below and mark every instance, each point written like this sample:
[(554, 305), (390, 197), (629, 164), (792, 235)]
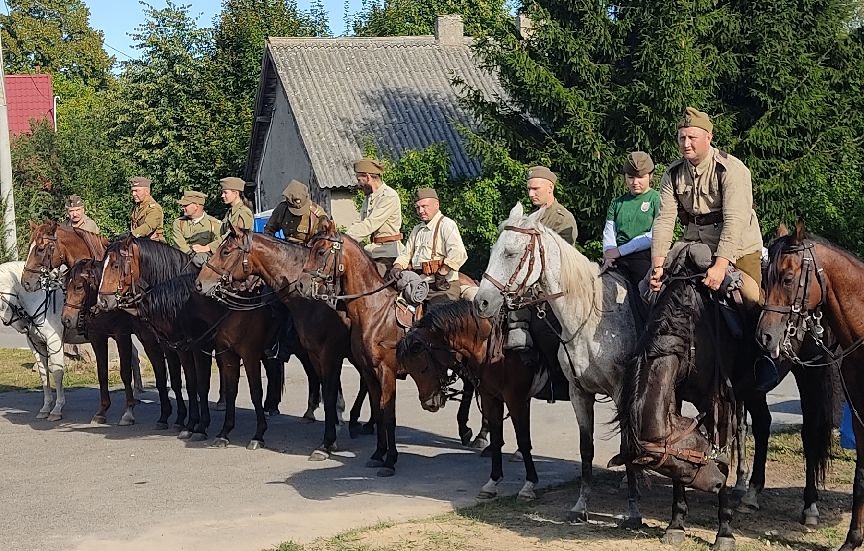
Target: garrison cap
[(190, 197), (542, 172), (232, 183), (694, 117), (139, 181), (74, 201), (638, 163), (425, 193), (368, 166), (296, 195)]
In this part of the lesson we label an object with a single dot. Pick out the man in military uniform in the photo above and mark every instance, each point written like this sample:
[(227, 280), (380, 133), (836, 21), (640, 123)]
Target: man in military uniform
[(195, 231), (380, 216), (296, 215), (434, 249), (147, 218), (239, 216), (541, 191), (77, 217)]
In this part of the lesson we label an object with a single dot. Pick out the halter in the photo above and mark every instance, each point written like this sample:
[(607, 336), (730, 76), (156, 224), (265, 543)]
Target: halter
[(133, 295), (515, 297), (47, 274), (225, 278), (227, 288), (330, 278)]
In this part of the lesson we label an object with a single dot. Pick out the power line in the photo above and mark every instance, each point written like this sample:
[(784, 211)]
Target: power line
[(116, 50)]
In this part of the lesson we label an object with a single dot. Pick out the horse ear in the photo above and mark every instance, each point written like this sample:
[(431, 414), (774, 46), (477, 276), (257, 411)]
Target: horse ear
[(33, 226), (782, 231), (517, 211), (329, 227), (799, 231)]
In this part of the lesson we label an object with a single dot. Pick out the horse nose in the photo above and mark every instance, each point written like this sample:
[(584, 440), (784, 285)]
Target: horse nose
[(482, 304), (766, 340), (198, 286), (66, 322)]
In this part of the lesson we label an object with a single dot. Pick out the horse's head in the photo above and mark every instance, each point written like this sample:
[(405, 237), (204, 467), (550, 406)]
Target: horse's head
[(44, 255), (81, 284), (794, 290), (515, 263), (425, 355), (228, 264), (325, 264), (121, 269)]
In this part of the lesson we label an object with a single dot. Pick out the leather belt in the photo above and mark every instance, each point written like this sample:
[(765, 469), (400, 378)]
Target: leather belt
[(381, 239)]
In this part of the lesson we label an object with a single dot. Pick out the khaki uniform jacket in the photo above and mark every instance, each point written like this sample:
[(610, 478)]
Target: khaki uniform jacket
[(380, 216), (188, 232), (86, 223), (449, 246), (561, 221), (148, 220), (297, 229), (240, 217), (721, 183)]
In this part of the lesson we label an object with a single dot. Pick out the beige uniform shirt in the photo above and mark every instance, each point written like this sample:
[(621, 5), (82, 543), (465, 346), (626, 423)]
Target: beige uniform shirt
[(148, 220), (188, 232), (86, 223), (240, 217), (380, 216), (561, 221), (720, 183), (448, 246)]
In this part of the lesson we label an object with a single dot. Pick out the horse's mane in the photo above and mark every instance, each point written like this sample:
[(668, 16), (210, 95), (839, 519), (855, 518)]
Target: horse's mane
[(10, 275), (669, 333), (777, 248), (158, 261), (450, 318), (166, 299), (297, 250)]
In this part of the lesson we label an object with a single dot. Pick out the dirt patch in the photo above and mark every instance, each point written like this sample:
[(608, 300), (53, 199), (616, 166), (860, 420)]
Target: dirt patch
[(508, 524)]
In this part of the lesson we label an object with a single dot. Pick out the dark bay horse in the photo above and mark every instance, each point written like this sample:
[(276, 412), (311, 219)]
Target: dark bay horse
[(810, 279), (156, 282), (685, 354), (53, 246)]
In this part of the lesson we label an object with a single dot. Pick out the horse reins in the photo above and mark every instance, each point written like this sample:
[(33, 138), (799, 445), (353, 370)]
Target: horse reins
[(330, 280)]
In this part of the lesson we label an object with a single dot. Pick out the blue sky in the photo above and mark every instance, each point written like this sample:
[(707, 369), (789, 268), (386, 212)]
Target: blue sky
[(117, 18)]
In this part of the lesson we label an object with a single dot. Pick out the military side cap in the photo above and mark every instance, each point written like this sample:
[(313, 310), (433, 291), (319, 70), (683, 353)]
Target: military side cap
[(232, 183), (638, 163), (542, 172), (425, 193), (140, 181), (296, 195), (190, 197), (74, 201), (694, 117), (368, 166)]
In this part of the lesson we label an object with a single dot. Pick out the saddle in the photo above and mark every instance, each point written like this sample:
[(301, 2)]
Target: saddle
[(407, 314)]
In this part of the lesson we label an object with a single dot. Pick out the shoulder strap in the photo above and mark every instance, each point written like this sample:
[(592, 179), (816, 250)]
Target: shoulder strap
[(435, 236)]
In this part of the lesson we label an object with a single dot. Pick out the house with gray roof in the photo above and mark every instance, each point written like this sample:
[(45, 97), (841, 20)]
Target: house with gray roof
[(321, 101)]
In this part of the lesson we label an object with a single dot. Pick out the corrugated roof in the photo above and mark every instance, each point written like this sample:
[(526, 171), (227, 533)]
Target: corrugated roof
[(392, 92), (28, 97)]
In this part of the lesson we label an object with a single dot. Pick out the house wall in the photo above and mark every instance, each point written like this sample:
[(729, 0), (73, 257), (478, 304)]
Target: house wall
[(342, 207)]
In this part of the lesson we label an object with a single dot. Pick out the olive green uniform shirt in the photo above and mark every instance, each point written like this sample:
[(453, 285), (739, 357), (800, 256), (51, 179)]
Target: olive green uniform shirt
[(86, 223), (297, 229), (148, 220), (561, 221), (380, 216), (720, 183), (188, 232), (240, 217)]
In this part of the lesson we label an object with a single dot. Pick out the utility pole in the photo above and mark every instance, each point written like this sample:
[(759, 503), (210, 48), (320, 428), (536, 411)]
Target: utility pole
[(10, 235)]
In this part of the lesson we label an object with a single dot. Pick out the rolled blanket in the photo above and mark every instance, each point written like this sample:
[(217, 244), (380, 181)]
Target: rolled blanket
[(413, 287)]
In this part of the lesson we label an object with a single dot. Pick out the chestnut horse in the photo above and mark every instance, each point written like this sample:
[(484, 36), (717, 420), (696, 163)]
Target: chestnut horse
[(808, 279)]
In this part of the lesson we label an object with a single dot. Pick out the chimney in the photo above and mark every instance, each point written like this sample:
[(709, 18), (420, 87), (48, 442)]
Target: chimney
[(449, 30), (524, 26)]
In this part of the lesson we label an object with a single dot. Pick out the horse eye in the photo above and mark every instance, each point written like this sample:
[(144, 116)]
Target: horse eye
[(320, 252), (224, 252)]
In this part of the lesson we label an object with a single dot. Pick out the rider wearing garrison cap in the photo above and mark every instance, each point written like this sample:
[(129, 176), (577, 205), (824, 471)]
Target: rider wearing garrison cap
[(147, 218), (380, 216)]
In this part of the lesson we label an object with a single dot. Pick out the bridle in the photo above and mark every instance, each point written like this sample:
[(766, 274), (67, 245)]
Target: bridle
[(48, 274), (135, 287), (330, 278), (227, 289)]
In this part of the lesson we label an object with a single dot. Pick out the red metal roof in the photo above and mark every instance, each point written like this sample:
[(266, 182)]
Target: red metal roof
[(28, 97)]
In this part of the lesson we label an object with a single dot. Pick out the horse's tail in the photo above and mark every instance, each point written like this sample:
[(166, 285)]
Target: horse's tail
[(816, 390)]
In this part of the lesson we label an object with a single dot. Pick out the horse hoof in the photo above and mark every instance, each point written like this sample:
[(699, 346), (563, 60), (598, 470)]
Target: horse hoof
[(577, 517), (42, 415), (126, 421), (487, 452), (673, 536), (161, 426), (319, 455), (632, 523), (517, 457), (386, 472), (185, 434), (485, 495), (255, 445), (724, 543), (809, 519), (98, 420), (367, 428), (308, 418), (198, 437), (220, 406), (466, 436), (55, 417), (480, 443), (179, 426), (375, 464), (273, 412), (526, 496), (220, 442)]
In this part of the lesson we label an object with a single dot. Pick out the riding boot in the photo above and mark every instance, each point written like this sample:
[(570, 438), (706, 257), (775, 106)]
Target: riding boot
[(518, 336)]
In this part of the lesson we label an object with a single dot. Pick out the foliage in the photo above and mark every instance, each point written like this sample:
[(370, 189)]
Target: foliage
[(417, 17)]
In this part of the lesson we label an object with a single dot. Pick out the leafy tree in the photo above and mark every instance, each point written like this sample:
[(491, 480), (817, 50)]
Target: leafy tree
[(55, 36), (417, 17)]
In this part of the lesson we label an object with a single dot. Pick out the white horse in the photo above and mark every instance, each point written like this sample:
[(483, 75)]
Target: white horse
[(599, 332), (37, 315)]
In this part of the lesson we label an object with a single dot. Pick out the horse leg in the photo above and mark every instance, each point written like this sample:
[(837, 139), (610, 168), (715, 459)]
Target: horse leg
[(354, 427), (314, 397), (252, 363), (124, 349), (229, 376), (191, 373), (583, 405), (136, 372), (220, 402), (520, 415), (388, 420), (99, 343), (157, 360), (175, 374), (48, 395), (854, 384), (465, 432), (481, 441), (633, 520), (757, 405), (275, 370), (741, 447), (203, 362), (814, 385), (332, 368), (377, 459), (493, 409), (725, 539), (674, 534)]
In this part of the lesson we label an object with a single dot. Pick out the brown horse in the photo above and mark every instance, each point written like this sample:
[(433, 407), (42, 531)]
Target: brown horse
[(53, 246), (809, 278)]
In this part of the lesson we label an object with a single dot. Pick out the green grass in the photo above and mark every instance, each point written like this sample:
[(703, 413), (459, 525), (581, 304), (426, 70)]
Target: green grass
[(16, 372)]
